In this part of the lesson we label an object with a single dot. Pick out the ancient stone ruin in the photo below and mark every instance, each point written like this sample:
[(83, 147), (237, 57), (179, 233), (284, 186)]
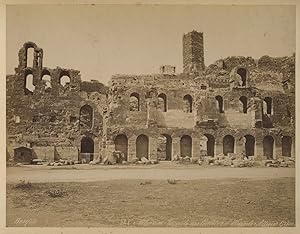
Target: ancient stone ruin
[(237, 106)]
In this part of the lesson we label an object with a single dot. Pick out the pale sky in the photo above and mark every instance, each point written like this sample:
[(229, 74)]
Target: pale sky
[(103, 40)]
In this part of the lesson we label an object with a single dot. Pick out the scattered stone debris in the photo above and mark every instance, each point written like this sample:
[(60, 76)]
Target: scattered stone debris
[(146, 182), (170, 181), (24, 185), (56, 193)]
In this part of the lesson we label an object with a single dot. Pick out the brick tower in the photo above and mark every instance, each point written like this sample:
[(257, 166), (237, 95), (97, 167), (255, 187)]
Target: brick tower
[(193, 52)]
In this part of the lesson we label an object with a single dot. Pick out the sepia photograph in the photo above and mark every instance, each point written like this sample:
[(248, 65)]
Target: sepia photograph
[(145, 116)]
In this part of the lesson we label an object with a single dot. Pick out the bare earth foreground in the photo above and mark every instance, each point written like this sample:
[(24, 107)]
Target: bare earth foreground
[(143, 197)]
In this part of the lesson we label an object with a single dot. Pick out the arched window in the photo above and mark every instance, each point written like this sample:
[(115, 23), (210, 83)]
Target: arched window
[(134, 102), (228, 144), (243, 74), (186, 146), (29, 86), (267, 105), (220, 105), (243, 102), (286, 143), (268, 145), (162, 102), (47, 79), (29, 57), (64, 78), (188, 103), (86, 116)]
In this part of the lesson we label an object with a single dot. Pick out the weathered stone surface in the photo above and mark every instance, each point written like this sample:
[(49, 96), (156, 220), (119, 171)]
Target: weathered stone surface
[(188, 116)]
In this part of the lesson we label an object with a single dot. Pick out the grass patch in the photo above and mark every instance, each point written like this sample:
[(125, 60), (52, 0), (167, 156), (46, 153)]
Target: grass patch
[(120, 203)]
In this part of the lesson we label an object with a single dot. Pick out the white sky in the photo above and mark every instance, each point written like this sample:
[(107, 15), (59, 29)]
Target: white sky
[(103, 40)]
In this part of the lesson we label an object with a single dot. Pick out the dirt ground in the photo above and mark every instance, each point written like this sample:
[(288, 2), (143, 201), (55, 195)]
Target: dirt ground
[(154, 203), (162, 171)]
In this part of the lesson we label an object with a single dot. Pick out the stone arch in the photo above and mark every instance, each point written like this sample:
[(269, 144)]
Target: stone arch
[(243, 74), (268, 146), (188, 103), (87, 147), (134, 102), (86, 116), (162, 102), (164, 147), (121, 144), (29, 56), (210, 145), (220, 104), (64, 78), (29, 86), (46, 77), (286, 146), (244, 103), (142, 146), (267, 105), (228, 144), (249, 145), (186, 146)]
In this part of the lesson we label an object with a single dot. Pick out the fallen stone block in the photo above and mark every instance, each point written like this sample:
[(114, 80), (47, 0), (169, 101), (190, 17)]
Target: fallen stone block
[(187, 159), (154, 161), (266, 162), (283, 164), (144, 159), (251, 158)]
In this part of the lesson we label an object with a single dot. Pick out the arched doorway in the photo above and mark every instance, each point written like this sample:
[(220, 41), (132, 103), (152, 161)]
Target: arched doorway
[(228, 144), (286, 143), (164, 147), (249, 145), (268, 145), (87, 148), (210, 145), (142, 146), (121, 144), (186, 146)]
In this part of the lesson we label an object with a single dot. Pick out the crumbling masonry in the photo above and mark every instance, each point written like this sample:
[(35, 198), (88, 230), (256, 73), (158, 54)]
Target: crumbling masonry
[(236, 106)]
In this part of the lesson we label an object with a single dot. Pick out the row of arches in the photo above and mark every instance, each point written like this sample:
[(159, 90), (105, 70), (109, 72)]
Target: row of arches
[(188, 103), (266, 107), (134, 102), (64, 80), (186, 145)]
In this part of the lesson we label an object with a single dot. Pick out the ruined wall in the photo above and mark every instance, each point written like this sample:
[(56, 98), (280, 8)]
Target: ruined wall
[(233, 98), (243, 86), (49, 113)]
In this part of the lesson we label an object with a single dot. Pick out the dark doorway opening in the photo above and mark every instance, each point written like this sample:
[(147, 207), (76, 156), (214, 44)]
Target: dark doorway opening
[(164, 147), (142, 147), (186, 146), (87, 148), (228, 144), (249, 145), (121, 144), (268, 145)]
